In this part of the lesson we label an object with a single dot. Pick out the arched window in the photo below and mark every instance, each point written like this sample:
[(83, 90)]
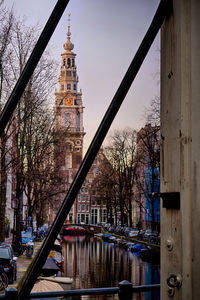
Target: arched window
[(64, 62), (72, 62), (68, 63), (69, 147)]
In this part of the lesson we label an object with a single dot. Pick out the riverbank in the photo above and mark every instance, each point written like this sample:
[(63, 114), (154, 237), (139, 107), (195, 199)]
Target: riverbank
[(148, 252)]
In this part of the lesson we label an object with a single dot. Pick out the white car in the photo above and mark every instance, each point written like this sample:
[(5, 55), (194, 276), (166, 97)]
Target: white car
[(133, 233)]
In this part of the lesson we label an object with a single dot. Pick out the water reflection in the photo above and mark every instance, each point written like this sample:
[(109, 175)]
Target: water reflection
[(95, 263)]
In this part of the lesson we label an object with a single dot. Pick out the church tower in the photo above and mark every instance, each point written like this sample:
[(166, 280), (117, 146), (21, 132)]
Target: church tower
[(68, 111)]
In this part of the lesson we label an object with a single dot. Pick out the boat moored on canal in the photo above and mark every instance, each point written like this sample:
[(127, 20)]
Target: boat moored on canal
[(74, 230)]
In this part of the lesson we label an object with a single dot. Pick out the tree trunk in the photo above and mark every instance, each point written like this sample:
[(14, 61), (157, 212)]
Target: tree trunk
[(130, 213), (3, 188), (18, 210)]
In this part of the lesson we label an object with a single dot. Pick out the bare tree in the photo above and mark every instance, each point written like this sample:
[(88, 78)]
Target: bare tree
[(6, 21), (103, 186), (152, 113), (122, 155), (31, 142), (117, 176)]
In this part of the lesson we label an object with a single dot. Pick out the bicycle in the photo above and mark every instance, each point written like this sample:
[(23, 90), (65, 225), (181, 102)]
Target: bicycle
[(3, 279)]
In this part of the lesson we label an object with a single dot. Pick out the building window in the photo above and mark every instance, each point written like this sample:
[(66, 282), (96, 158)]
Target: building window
[(68, 86), (82, 218), (74, 73), (64, 62), (79, 208), (94, 216), (69, 147), (87, 219), (72, 62), (78, 218), (87, 207), (74, 86), (82, 207), (104, 215), (68, 63), (77, 102), (85, 198)]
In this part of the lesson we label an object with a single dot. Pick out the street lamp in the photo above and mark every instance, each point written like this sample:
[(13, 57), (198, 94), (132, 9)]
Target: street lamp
[(16, 246), (14, 202)]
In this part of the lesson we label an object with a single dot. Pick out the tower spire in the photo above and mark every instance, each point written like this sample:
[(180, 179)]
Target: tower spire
[(68, 46), (68, 31)]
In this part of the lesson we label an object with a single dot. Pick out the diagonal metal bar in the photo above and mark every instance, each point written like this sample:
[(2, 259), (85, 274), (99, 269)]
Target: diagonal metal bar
[(32, 63), (35, 268)]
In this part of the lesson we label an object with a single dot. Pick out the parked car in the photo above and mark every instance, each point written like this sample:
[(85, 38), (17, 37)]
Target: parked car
[(8, 262), (8, 246), (118, 230), (141, 234), (127, 230), (147, 234), (111, 229), (133, 233), (154, 238), (106, 226)]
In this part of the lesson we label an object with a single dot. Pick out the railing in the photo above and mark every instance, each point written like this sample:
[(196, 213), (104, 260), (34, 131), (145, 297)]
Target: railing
[(125, 291), (162, 11)]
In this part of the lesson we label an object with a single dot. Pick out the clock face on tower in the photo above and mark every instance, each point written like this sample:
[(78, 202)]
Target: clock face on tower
[(68, 101), (66, 119)]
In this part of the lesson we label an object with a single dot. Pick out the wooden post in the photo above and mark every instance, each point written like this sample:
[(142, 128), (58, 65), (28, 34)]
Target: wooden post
[(180, 151), (125, 290), (11, 294)]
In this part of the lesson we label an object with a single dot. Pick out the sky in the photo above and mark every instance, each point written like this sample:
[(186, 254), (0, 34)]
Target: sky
[(106, 35)]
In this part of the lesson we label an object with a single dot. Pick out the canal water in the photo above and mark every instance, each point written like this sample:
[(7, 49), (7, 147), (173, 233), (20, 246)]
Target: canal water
[(94, 263)]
